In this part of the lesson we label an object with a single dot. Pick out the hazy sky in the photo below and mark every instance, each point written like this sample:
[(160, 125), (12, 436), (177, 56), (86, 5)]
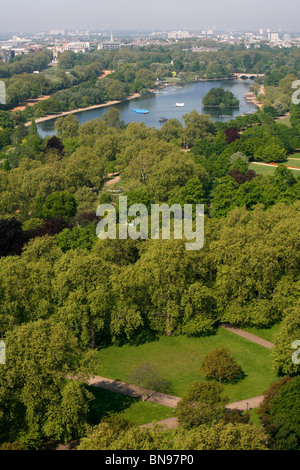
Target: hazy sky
[(38, 15)]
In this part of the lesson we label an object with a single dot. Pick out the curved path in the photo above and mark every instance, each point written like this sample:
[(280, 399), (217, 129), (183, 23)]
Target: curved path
[(170, 400), (249, 336), (133, 391)]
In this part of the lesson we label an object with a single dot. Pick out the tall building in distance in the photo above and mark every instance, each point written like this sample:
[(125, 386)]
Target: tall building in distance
[(273, 36), (110, 45), (78, 46), (178, 35)]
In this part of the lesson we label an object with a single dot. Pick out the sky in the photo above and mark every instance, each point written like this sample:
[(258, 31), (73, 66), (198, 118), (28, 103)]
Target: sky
[(157, 15)]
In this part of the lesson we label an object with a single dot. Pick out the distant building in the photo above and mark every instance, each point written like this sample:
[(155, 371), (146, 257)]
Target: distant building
[(178, 35), (110, 45), (6, 55), (55, 32), (273, 37), (78, 46)]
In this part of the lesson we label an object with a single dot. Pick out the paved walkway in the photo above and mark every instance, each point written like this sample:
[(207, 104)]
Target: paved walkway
[(170, 400), (170, 423), (114, 180), (162, 399), (133, 391), (276, 164), (249, 336), (243, 405)]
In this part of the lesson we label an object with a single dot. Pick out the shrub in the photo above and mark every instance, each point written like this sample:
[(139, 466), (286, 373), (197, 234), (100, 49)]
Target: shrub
[(221, 366)]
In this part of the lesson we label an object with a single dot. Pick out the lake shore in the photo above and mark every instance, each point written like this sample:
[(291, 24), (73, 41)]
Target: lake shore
[(111, 103), (80, 110)]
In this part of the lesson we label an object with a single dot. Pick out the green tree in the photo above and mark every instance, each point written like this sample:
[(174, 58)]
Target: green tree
[(37, 403), (196, 126), (220, 97), (82, 290), (200, 310), (220, 365), (283, 351), (221, 437), (108, 436), (61, 204), (203, 403), (67, 127), (115, 90), (146, 376), (113, 117), (284, 415)]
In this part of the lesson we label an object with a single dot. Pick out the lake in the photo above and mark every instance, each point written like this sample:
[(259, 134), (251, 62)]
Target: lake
[(162, 104)]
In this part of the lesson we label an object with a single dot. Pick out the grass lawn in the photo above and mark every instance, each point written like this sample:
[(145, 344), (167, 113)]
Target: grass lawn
[(266, 333), (179, 358), (286, 120), (293, 160), (254, 419), (262, 169), (133, 409), (270, 170)]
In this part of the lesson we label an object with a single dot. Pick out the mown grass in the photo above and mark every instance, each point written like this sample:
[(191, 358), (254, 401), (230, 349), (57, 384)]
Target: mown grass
[(270, 169), (179, 359), (265, 333), (262, 169), (293, 160), (136, 411), (286, 120)]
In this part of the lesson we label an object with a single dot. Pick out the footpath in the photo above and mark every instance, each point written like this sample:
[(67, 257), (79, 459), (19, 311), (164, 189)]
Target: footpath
[(170, 400)]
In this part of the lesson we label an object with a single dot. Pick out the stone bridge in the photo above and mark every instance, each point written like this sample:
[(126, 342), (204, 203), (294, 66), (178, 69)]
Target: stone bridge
[(248, 76)]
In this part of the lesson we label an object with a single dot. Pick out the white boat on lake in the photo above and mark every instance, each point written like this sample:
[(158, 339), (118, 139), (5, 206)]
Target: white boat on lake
[(179, 105)]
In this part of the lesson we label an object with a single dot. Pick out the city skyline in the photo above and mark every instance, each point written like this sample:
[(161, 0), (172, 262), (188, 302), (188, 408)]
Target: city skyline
[(33, 15)]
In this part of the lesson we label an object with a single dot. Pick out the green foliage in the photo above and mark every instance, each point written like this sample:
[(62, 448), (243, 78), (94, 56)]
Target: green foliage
[(149, 379), (221, 366), (57, 205), (288, 333), (36, 400), (108, 436), (115, 90), (197, 126), (6, 120), (77, 237), (202, 404), (200, 311), (221, 98), (220, 437), (280, 414), (32, 223)]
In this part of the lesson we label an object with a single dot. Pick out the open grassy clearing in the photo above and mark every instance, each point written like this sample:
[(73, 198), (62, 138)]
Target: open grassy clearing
[(133, 409), (285, 120), (265, 170), (179, 358), (262, 169), (293, 160), (265, 333)]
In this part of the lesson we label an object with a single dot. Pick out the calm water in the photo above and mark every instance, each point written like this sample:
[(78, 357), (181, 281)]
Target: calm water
[(161, 104)]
